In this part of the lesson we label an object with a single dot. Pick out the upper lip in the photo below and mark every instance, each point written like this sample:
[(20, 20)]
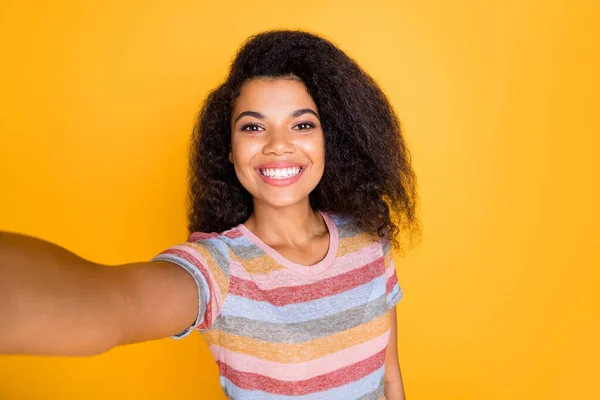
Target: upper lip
[(280, 164)]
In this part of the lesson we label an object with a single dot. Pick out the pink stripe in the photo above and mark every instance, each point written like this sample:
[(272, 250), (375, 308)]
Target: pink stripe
[(305, 370), (282, 278), (233, 233), (201, 236), (389, 271)]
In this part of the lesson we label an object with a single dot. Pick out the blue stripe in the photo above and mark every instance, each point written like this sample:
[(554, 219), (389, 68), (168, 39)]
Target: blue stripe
[(240, 241), (340, 219), (352, 390), (301, 312), (219, 244)]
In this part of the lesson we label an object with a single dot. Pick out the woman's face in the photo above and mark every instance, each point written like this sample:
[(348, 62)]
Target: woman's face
[(277, 145)]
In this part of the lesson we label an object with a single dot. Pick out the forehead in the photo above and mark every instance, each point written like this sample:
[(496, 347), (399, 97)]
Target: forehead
[(273, 94)]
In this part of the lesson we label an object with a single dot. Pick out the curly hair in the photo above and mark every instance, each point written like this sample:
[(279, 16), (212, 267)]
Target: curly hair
[(368, 174)]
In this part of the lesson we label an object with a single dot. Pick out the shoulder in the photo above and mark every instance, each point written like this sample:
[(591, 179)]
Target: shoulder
[(350, 233), (200, 250), (346, 224), (215, 245)]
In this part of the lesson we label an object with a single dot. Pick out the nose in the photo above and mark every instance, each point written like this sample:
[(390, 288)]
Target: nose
[(279, 140)]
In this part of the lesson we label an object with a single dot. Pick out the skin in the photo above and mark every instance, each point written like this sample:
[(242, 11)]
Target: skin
[(85, 308)]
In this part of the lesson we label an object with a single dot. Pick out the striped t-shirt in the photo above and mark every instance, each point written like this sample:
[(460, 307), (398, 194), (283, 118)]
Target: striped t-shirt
[(280, 330)]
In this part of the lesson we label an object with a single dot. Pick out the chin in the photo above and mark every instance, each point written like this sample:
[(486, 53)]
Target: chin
[(281, 200), (281, 203)]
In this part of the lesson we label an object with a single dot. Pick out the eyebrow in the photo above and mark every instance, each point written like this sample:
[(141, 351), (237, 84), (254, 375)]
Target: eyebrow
[(294, 114)]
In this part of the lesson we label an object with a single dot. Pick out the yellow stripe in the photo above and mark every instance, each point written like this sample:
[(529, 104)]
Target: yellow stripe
[(299, 352), (216, 271), (261, 265), (354, 243)]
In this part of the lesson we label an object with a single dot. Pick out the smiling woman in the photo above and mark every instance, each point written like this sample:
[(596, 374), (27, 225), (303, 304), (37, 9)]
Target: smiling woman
[(298, 164), (367, 172)]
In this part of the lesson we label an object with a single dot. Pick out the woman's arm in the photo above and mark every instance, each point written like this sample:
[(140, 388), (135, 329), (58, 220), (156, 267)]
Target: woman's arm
[(394, 388), (53, 302)]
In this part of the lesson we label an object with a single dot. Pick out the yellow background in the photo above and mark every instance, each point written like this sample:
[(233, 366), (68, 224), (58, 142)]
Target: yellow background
[(499, 102)]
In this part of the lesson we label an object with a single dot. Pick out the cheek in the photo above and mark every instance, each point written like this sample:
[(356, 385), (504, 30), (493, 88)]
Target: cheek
[(242, 151), (315, 149)]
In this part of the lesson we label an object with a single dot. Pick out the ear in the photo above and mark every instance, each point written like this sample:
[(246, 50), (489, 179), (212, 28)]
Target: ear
[(230, 157)]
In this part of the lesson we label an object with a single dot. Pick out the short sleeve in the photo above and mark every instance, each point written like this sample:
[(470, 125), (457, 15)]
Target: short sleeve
[(392, 287), (206, 257)]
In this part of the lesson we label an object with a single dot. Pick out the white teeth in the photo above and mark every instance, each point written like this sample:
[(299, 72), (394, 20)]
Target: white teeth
[(280, 173)]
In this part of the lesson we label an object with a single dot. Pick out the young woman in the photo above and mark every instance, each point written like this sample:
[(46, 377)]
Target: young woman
[(301, 184)]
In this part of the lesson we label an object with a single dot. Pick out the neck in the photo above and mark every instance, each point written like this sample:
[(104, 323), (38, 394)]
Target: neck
[(291, 225)]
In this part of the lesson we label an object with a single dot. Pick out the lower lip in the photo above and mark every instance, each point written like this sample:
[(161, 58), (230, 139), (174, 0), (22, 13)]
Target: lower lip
[(281, 182)]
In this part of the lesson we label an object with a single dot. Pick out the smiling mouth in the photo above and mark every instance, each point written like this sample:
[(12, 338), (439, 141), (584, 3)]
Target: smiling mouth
[(280, 173)]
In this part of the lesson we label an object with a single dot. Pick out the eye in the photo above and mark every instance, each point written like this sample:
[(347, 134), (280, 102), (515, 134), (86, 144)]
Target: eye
[(252, 127), (304, 126)]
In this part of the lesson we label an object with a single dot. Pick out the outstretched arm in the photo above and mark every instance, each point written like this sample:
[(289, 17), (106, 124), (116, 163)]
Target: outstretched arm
[(53, 302)]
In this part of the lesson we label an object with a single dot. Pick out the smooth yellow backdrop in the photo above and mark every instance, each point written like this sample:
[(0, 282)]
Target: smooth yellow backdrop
[(499, 103)]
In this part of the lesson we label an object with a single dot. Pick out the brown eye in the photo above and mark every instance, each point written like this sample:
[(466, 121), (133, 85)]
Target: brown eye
[(304, 126), (252, 127)]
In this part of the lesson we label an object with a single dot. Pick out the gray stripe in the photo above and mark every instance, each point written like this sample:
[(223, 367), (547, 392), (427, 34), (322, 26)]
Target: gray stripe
[(248, 252), (302, 331), (377, 394), (221, 260)]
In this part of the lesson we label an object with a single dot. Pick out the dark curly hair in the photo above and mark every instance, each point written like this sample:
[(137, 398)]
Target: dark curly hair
[(368, 174)]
